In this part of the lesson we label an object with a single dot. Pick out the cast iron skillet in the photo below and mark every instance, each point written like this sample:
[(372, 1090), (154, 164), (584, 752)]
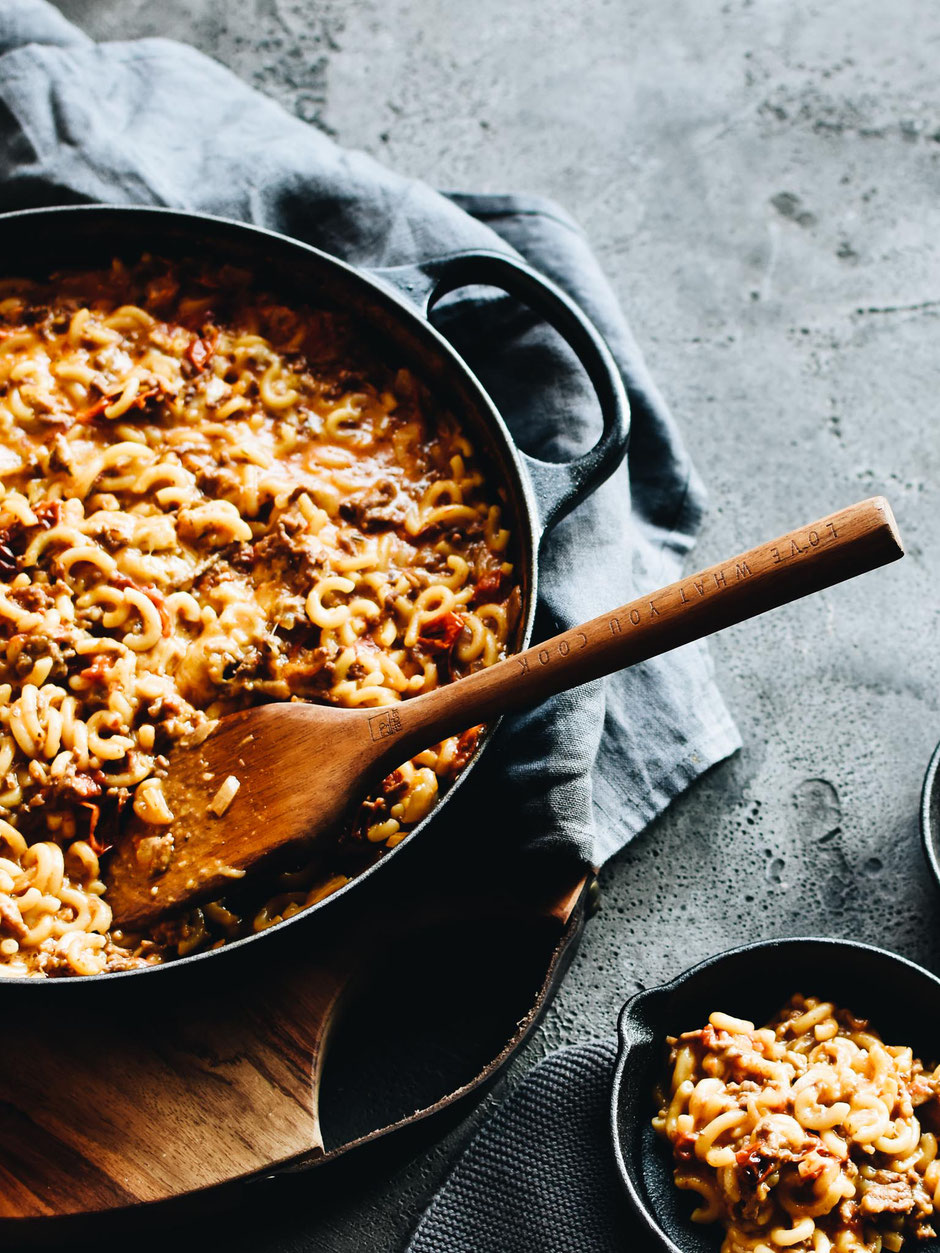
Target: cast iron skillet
[(902, 1001), (392, 305), (930, 815)]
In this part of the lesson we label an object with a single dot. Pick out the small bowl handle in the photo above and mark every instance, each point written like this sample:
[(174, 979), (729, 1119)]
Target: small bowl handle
[(558, 486), (633, 1025)]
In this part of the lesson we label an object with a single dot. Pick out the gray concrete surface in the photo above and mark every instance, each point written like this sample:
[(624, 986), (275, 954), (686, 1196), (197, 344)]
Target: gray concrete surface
[(761, 181)]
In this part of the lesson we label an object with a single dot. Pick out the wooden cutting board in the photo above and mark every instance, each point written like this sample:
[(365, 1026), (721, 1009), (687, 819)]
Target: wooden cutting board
[(122, 1104)]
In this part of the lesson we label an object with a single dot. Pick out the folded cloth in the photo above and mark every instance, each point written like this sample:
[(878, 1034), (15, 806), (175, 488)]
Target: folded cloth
[(540, 1176), (155, 122)]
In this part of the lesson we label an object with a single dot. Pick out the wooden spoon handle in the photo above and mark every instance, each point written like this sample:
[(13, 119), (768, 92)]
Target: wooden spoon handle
[(308, 765), (835, 548)]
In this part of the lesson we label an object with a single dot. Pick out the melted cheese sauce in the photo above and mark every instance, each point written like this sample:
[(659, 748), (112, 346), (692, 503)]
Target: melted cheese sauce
[(207, 500)]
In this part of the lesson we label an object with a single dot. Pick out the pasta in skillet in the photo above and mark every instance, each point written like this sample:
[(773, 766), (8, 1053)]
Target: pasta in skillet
[(808, 1134), (207, 500)]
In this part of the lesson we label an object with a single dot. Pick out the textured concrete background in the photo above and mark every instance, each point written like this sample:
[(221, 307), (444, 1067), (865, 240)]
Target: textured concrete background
[(761, 181)]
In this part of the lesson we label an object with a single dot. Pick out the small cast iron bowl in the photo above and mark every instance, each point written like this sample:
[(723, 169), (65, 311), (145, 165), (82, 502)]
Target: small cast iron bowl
[(930, 815), (753, 982)]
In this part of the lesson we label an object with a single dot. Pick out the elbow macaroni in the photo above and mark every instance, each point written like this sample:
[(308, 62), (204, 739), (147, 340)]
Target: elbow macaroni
[(808, 1134), (215, 500)]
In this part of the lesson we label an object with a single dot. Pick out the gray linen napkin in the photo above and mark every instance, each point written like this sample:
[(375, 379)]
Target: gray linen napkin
[(155, 122)]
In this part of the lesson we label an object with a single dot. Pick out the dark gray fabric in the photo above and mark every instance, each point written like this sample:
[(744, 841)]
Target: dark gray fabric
[(155, 122), (540, 1177)]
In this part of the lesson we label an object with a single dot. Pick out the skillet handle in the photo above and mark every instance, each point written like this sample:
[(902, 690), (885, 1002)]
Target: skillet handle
[(558, 486)]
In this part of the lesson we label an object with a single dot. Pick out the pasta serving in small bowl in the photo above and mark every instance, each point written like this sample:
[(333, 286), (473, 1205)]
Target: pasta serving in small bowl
[(781, 1097)]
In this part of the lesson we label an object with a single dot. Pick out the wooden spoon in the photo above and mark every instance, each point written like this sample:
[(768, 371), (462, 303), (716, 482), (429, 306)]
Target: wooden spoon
[(300, 767)]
